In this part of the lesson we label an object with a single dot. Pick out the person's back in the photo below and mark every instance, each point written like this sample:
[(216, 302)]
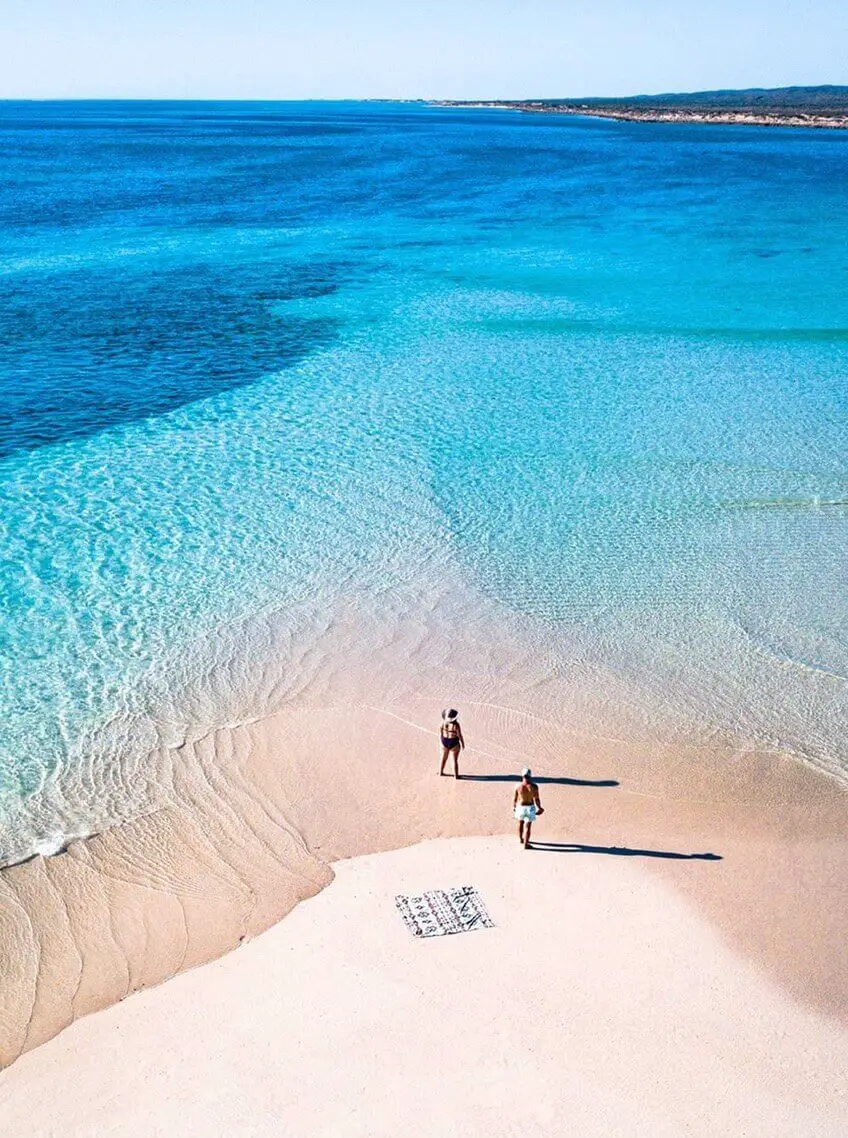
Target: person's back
[(527, 792), (450, 730)]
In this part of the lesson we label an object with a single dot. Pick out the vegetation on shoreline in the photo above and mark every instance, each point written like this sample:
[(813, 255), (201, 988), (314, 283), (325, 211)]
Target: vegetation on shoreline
[(823, 106)]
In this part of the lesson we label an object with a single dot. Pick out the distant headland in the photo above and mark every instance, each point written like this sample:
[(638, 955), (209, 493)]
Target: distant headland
[(824, 107)]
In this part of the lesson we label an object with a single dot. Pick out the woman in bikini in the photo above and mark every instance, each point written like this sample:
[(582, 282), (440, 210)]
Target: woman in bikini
[(452, 740)]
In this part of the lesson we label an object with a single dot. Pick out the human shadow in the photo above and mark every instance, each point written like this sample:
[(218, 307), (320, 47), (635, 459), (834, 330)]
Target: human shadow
[(540, 779), (620, 851)]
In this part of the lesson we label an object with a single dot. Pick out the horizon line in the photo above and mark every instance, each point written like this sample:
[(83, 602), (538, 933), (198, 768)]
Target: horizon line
[(408, 98)]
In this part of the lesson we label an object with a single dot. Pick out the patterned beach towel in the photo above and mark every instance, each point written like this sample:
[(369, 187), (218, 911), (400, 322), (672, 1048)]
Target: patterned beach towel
[(444, 911)]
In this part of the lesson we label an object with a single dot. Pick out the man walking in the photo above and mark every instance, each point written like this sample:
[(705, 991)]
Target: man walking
[(526, 806)]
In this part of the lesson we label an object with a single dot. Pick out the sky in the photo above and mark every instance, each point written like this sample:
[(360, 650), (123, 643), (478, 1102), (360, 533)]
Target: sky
[(281, 49)]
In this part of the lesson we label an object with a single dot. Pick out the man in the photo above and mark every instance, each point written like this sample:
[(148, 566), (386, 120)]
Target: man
[(526, 806)]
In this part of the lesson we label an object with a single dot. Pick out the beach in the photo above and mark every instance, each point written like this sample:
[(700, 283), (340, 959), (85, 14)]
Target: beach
[(534, 416), (603, 999), (735, 898)]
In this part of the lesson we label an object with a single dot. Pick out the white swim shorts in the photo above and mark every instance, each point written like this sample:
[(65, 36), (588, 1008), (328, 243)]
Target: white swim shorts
[(525, 813)]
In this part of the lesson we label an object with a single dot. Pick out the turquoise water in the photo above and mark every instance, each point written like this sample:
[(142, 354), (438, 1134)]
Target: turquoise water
[(260, 359)]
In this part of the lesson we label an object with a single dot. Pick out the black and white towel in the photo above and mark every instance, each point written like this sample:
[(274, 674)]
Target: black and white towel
[(444, 911)]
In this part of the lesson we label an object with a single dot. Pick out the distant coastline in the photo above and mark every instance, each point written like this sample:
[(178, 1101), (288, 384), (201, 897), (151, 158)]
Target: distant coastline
[(818, 108)]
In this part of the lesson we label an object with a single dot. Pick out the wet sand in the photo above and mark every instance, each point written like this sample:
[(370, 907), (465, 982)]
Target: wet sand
[(261, 812)]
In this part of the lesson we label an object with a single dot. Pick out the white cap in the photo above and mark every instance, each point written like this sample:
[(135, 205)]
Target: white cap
[(526, 772)]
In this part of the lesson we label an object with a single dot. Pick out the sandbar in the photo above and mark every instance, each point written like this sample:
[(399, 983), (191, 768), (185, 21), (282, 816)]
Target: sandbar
[(602, 1004)]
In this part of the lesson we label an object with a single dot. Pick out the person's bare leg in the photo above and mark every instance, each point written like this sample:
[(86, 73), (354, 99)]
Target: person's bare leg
[(521, 832), (456, 762), (444, 760), (527, 836)]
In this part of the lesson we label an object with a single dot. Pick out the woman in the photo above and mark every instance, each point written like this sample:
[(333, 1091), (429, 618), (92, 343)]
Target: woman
[(452, 740)]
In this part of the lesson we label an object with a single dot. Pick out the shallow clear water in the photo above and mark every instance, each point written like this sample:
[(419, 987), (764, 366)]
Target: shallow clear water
[(260, 358)]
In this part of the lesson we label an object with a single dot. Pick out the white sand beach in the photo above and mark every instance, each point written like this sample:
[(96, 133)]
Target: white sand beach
[(601, 1004), (261, 816)]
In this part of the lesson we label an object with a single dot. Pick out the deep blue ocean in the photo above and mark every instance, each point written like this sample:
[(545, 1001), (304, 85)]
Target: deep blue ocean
[(264, 357)]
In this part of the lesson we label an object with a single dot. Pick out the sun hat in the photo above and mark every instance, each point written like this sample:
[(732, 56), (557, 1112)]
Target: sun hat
[(450, 713)]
